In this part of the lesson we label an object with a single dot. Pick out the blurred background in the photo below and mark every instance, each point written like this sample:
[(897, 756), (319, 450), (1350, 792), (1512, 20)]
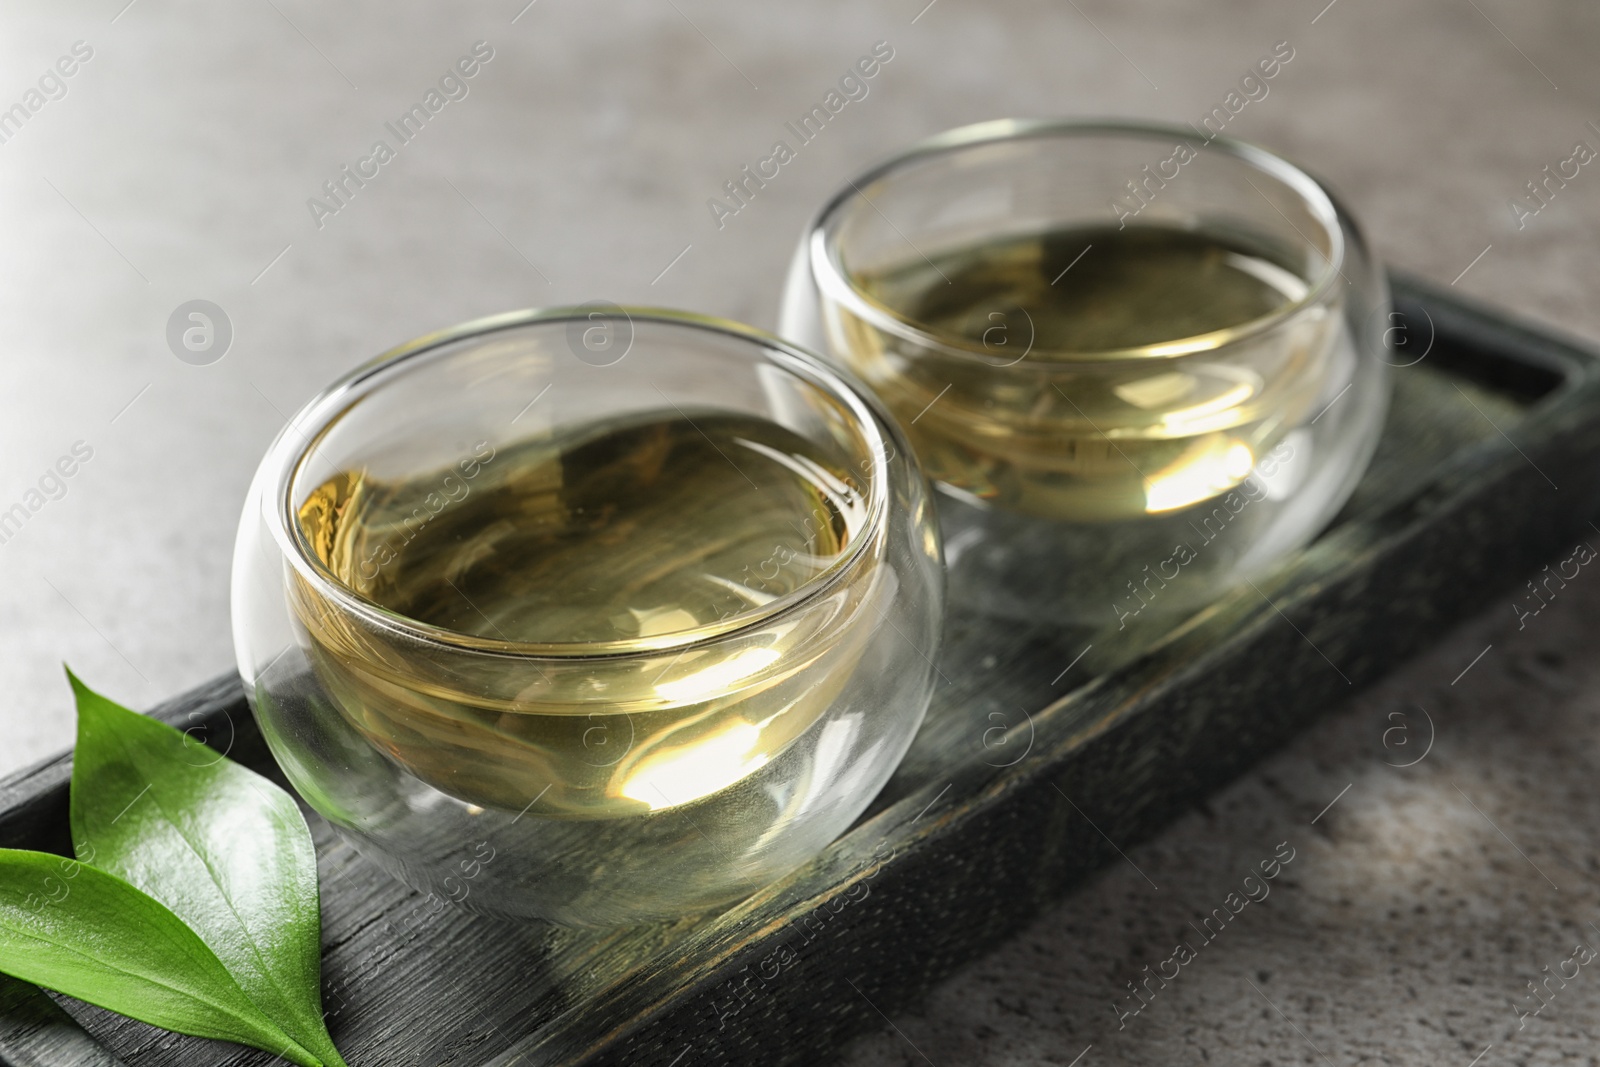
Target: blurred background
[(176, 161)]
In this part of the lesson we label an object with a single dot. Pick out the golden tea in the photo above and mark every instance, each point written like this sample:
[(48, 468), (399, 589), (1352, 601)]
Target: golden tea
[(1072, 375), (633, 538)]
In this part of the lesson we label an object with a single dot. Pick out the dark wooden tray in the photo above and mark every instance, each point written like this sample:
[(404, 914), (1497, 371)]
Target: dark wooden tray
[(1038, 761)]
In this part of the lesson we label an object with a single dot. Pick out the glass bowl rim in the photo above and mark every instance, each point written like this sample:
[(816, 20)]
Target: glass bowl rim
[(832, 281), (301, 434)]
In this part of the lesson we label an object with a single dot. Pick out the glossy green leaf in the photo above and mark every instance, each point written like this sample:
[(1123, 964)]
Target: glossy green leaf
[(224, 848), (80, 931)]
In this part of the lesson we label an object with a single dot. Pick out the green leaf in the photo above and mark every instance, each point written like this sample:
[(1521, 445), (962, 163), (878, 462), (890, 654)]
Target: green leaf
[(69, 927), (224, 848)]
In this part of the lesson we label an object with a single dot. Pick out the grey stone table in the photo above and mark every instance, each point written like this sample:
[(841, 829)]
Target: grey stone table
[(178, 159)]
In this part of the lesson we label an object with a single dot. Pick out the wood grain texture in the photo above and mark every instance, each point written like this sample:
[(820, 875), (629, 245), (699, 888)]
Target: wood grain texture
[(39, 1034), (1025, 779)]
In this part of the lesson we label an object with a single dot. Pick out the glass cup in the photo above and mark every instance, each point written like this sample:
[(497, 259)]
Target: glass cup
[(1140, 363), (590, 615)]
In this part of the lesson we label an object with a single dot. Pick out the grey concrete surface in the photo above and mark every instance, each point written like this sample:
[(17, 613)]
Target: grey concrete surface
[(178, 163)]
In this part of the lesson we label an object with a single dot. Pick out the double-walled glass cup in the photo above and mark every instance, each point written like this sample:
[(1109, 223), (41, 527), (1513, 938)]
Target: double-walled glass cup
[(1140, 362), (590, 615)]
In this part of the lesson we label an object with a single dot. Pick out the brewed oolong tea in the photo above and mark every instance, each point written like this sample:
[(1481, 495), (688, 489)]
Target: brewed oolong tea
[(1110, 406), (634, 538), (591, 615)]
